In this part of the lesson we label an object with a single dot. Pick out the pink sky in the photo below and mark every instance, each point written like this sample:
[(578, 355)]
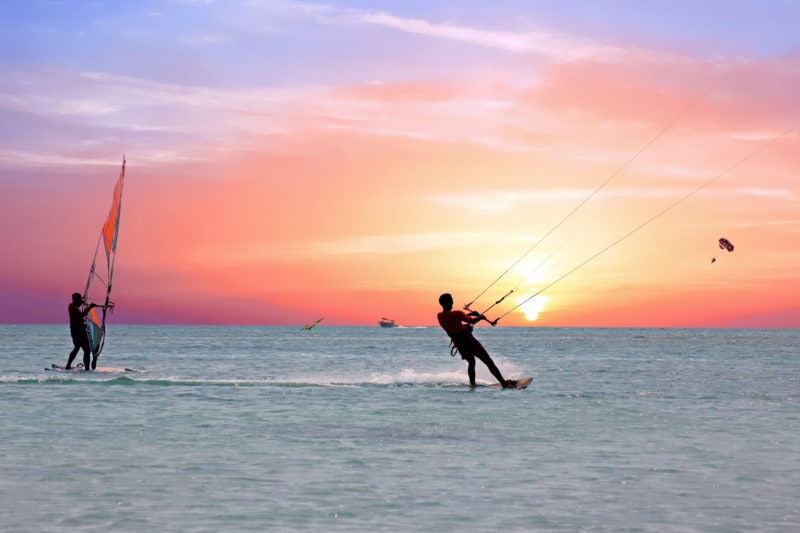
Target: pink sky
[(366, 189)]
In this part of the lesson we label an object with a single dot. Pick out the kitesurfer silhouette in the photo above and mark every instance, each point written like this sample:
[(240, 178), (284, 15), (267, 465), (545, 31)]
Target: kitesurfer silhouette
[(458, 326)]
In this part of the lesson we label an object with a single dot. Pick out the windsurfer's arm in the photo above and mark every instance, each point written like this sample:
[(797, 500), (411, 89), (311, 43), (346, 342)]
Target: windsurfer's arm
[(88, 308)]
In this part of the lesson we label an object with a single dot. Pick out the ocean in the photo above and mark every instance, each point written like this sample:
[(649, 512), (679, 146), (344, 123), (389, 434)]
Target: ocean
[(376, 429)]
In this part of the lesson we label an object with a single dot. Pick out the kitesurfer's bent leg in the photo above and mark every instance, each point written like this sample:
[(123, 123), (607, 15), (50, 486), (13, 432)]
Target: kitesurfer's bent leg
[(483, 355)]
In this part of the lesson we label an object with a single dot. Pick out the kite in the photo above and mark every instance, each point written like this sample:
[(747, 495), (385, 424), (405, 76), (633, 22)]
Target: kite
[(725, 244)]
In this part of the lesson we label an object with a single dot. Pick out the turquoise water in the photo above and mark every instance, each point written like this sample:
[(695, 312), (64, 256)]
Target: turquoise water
[(371, 429)]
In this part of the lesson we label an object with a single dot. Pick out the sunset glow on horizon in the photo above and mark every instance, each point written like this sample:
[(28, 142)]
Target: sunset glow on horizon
[(288, 161)]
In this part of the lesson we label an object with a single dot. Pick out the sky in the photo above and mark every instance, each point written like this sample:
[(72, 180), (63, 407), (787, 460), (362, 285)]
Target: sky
[(353, 160)]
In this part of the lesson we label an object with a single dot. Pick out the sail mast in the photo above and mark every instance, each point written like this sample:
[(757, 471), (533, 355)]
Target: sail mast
[(101, 282)]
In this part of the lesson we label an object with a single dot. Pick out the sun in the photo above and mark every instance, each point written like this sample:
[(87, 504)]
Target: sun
[(532, 308)]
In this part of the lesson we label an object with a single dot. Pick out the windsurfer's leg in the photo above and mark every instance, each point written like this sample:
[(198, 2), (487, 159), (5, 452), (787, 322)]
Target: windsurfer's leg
[(72, 355), (86, 354)]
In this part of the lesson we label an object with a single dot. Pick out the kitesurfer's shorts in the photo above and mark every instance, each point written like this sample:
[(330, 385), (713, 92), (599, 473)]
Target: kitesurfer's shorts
[(467, 345)]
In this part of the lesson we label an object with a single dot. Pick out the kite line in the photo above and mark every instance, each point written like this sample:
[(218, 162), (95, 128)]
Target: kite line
[(651, 219), (616, 173)]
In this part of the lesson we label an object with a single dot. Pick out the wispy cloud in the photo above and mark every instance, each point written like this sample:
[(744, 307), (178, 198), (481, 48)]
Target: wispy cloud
[(498, 116), (397, 244), (207, 38), (775, 193), (550, 45), (374, 245), (508, 199), (23, 158), (245, 115)]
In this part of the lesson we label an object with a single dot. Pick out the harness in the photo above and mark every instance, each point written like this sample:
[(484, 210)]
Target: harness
[(465, 334)]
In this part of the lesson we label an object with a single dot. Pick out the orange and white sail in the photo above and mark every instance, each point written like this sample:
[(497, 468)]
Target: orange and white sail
[(98, 286)]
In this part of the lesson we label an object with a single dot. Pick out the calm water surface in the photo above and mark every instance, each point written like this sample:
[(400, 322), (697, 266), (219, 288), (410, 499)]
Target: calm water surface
[(372, 429)]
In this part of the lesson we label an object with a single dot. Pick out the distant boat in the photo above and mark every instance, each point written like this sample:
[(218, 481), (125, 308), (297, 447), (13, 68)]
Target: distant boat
[(387, 323), (308, 327)]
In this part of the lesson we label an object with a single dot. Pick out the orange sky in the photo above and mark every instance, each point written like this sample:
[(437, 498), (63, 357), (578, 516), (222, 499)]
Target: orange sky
[(362, 192)]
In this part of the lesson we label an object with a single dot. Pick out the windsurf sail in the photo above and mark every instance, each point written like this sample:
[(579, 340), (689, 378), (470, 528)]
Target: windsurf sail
[(312, 324), (98, 286)]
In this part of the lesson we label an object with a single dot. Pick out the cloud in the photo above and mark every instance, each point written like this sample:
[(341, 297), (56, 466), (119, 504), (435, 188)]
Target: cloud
[(399, 244), (508, 199), (161, 113), (586, 111), (550, 45), (207, 38), (776, 193), (23, 158), (348, 246)]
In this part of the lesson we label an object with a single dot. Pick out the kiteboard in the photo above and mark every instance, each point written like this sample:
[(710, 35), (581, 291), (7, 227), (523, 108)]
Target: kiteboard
[(101, 369), (522, 383)]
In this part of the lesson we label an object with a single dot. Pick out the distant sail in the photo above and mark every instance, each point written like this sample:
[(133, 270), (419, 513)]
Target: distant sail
[(98, 286), (311, 325)]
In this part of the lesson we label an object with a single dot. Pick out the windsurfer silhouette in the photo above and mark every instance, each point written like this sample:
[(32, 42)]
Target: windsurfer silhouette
[(77, 329), (458, 326)]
